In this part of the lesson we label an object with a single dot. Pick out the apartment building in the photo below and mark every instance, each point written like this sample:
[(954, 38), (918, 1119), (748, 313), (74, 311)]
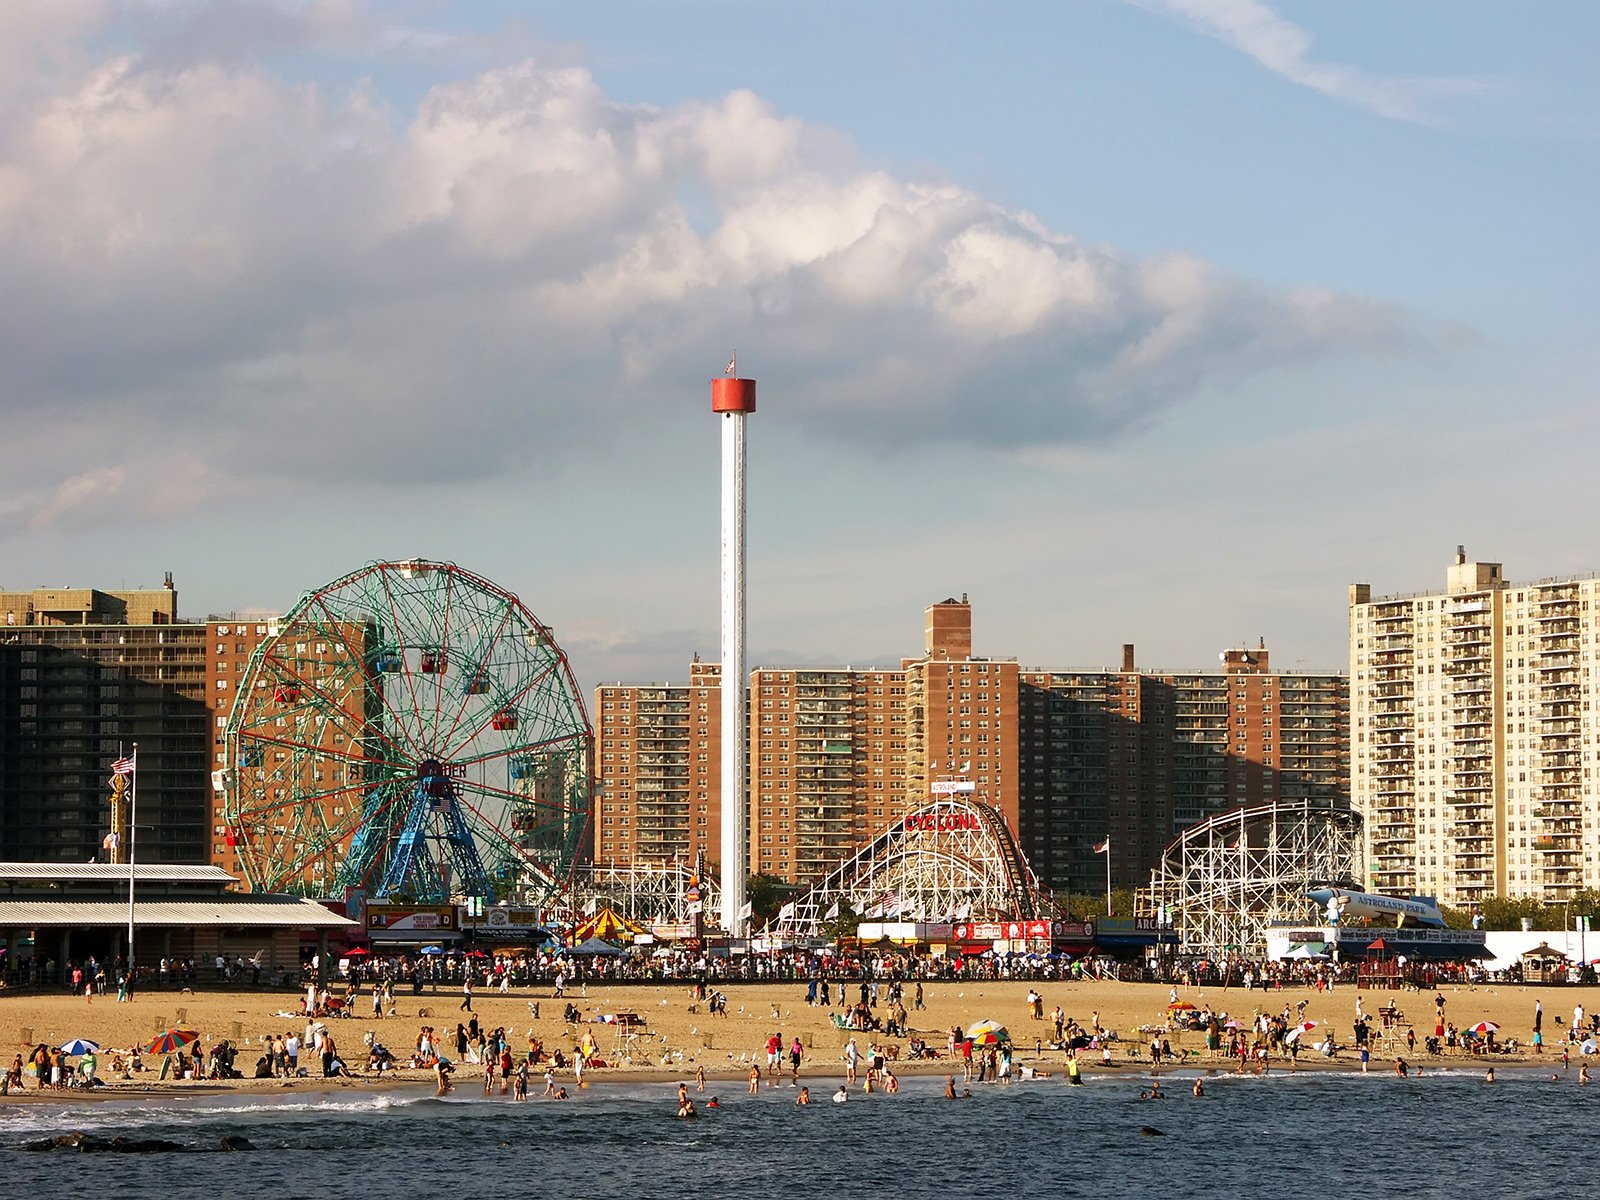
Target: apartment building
[(230, 641), (837, 753), (84, 674), (1475, 735), (657, 778), (1136, 757)]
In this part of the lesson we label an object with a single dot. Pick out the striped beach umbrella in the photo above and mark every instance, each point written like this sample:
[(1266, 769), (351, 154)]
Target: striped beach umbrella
[(988, 1033), (172, 1039)]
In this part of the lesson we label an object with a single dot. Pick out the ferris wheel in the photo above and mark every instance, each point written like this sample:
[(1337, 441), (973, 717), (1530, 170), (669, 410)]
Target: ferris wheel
[(412, 730)]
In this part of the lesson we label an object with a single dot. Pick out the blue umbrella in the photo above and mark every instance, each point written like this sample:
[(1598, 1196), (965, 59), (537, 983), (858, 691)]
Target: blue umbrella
[(80, 1046), (432, 950)]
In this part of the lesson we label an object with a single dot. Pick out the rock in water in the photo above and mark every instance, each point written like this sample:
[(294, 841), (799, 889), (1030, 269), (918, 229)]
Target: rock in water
[(235, 1141), (88, 1143), (1150, 1131)]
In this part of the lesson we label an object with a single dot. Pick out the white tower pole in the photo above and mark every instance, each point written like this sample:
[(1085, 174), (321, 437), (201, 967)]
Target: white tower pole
[(733, 399)]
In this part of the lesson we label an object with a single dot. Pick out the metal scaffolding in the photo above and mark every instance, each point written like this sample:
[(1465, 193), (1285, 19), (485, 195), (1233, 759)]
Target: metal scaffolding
[(1225, 880), (952, 859), (646, 893)]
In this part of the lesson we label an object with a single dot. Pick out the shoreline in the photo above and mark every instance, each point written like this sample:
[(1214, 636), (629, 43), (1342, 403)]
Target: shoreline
[(602, 1079)]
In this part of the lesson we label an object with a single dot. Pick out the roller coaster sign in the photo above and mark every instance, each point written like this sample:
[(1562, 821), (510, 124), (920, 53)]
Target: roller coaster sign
[(942, 822)]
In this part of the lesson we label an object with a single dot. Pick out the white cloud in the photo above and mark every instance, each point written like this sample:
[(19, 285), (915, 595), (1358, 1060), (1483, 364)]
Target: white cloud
[(1284, 48), (290, 280)]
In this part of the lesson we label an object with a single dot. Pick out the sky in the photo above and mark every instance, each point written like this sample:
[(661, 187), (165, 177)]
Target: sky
[(1149, 321)]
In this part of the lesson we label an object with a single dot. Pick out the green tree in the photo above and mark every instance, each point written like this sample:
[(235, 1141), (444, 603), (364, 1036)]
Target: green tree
[(845, 924), (766, 894)]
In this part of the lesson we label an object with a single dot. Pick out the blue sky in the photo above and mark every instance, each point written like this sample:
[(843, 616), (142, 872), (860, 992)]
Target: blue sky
[(1158, 322)]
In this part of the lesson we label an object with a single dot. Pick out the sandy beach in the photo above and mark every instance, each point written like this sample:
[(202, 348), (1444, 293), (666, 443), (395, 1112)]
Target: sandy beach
[(677, 1037)]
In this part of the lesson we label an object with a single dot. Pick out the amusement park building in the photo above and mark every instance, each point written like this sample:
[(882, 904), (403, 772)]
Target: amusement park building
[(1067, 758), (84, 674), (1476, 735)]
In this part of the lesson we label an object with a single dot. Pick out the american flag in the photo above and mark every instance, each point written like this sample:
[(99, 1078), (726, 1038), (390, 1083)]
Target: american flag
[(1102, 847), (733, 366), (123, 766)]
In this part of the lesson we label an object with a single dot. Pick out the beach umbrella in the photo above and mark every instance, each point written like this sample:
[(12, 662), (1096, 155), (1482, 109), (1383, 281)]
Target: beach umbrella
[(988, 1033), (1297, 1029), (432, 950), (1484, 1027), (81, 1046), (1235, 1025), (1180, 1006), (172, 1039), (1588, 1047)]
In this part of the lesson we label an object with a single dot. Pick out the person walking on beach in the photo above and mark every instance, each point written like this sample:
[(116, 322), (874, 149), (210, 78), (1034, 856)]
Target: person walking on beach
[(852, 1059), (466, 992), (774, 1054), (796, 1052)]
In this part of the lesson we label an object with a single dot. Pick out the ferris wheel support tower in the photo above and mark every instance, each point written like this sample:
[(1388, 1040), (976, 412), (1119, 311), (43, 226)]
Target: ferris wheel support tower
[(734, 399)]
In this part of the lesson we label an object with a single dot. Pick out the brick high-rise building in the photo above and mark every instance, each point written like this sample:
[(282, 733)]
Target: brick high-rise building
[(84, 674), (961, 714), (656, 769), (1475, 724), (837, 753), (230, 641), (1139, 756)]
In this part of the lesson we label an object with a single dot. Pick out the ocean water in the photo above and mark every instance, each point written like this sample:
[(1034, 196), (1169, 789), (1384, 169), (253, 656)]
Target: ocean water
[(1316, 1133)]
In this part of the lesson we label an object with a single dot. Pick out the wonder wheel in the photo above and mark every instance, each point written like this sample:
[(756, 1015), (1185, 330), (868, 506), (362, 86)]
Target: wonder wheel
[(411, 730)]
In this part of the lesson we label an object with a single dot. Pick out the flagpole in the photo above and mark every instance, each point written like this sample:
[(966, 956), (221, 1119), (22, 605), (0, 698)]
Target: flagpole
[(1108, 876), (133, 814)]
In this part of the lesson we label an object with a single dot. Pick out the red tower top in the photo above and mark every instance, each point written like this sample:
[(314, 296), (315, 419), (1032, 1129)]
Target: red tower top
[(729, 395)]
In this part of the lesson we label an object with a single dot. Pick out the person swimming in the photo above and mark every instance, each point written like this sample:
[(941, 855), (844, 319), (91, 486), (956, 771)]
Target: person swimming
[(804, 1097), (842, 1095)]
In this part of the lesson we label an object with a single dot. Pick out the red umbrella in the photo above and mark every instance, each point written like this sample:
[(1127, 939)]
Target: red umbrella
[(357, 952), (172, 1039)]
